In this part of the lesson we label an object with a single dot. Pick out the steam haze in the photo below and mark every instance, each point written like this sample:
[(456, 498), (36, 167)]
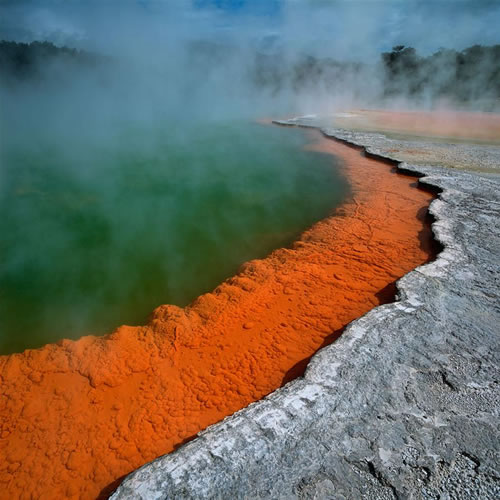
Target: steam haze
[(180, 57)]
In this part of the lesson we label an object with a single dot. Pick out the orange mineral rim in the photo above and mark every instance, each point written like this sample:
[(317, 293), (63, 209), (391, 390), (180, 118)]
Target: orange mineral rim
[(76, 416)]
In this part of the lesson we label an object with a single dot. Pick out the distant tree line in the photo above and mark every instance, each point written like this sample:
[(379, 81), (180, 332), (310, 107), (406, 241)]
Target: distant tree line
[(470, 75), (31, 61), (463, 76), (467, 75), (273, 71)]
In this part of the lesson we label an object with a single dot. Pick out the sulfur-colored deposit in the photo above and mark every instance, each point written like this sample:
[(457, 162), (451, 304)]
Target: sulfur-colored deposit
[(444, 124), (75, 417), (405, 403)]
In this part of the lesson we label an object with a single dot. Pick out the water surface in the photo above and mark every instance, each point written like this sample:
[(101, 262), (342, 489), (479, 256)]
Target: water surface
[(94, 236)]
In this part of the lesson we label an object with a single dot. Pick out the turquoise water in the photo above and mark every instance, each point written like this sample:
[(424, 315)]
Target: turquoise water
[(92, 237)]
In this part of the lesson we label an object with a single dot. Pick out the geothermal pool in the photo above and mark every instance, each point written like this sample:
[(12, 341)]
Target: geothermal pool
[(95, 235), (78, 415)]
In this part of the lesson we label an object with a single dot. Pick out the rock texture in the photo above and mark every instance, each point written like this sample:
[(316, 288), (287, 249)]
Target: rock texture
[(404, 405), (77, 416), (440, 125)]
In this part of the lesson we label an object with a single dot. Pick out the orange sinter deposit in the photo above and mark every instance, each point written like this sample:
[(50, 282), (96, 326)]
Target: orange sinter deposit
[(76, 416), (445, 124)]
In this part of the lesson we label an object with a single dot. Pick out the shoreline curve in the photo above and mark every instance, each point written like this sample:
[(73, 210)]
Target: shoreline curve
[(83, 413), (405, 402)]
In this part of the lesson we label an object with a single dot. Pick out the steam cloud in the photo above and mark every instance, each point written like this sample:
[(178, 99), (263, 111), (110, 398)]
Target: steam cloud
[(179, 57)]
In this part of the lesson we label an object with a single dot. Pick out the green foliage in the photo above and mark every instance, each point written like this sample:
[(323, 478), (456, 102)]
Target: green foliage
[(466, 76), (21, 61), (470, 75)]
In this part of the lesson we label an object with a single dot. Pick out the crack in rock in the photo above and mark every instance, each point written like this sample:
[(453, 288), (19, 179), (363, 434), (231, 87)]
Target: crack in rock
[(406, 401)]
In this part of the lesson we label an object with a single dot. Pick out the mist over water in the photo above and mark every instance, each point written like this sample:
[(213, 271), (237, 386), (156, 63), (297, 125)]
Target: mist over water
[(99, 236), (140, 179)]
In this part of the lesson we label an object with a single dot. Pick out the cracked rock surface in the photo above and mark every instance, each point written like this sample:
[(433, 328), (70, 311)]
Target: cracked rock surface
[(404, 405)]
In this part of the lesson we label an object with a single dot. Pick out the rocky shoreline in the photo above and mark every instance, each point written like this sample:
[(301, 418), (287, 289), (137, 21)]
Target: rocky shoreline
[(77, 416), (404, 405)]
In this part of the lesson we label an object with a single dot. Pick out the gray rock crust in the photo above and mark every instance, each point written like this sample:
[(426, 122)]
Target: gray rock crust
[(405, 405)]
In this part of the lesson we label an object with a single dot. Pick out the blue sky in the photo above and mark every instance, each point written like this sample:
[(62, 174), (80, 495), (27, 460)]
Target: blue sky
[(258, 7), (341, 28)]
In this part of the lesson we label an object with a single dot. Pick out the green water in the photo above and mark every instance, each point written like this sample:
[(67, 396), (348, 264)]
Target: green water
[(95, 237)]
